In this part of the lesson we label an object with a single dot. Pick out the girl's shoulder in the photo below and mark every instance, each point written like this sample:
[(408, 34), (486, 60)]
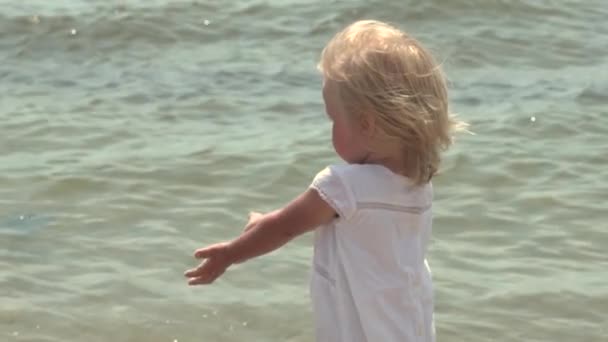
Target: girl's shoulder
[(368, 173), (347, 186)]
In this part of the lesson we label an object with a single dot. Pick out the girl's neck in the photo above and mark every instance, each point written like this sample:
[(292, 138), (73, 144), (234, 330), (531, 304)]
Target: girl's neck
[(392, 163)]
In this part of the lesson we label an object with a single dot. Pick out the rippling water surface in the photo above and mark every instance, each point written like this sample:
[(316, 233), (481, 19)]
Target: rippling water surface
[(133, 132)]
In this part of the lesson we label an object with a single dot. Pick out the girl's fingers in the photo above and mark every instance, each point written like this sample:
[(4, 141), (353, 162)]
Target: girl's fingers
[(201, 269), (205, 279), (254, 215), (253, 218), (191, 273), (210, 251), (198, 281), (201, 253), (205, 253), (212, 267)]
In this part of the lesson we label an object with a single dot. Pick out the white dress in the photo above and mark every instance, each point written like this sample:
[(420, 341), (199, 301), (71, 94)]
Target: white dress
[(370, 279)]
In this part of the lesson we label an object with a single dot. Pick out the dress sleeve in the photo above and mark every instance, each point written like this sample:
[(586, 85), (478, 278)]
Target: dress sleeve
[(334, 190)]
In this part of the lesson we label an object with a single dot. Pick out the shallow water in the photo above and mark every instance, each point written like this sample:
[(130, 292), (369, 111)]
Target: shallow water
[(134, 132)]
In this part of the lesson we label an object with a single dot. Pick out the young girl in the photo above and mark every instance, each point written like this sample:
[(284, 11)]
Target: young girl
[(387, 100)]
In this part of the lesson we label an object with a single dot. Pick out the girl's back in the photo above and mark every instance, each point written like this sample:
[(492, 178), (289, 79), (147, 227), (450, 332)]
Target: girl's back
[(370, 280)]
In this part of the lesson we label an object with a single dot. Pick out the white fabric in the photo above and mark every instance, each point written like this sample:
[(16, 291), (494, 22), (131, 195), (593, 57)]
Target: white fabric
[(370, 280)]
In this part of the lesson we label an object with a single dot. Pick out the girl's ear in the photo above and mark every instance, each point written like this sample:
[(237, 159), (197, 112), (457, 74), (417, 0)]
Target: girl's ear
[(368, 125)]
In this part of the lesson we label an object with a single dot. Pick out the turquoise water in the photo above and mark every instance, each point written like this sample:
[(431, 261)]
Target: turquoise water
[(133, 132)]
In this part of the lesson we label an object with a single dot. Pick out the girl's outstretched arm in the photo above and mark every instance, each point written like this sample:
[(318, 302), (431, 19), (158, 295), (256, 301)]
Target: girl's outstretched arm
[(270, 232)]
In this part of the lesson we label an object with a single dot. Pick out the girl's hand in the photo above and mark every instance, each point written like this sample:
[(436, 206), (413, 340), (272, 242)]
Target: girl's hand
[(216, 262), (254, 217)]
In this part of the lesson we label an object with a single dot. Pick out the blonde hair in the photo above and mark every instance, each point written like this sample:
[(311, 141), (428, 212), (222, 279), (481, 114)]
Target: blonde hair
[(382, 71)]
